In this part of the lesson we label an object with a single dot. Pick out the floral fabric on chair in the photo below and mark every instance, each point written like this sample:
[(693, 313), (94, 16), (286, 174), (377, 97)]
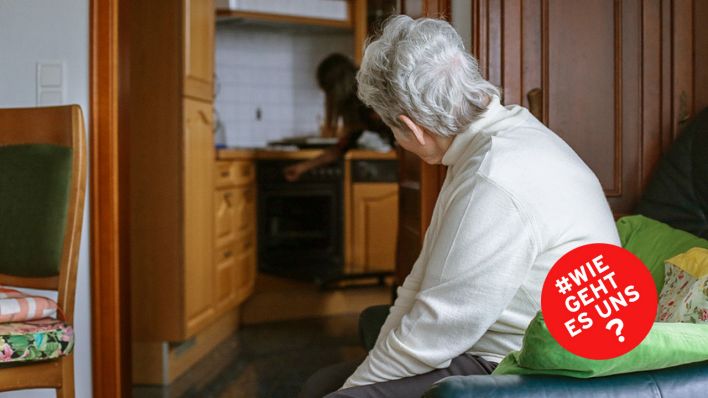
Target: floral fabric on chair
[(36, 340)]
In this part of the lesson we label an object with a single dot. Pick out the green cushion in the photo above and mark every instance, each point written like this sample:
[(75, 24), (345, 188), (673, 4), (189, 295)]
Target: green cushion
[(666, 345), (34, 187), (655, 242)]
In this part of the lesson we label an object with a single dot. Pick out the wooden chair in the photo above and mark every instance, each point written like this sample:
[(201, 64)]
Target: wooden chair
[(53, 139)]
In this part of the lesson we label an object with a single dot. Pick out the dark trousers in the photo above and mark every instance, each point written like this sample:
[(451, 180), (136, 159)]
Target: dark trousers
[(326, 381)]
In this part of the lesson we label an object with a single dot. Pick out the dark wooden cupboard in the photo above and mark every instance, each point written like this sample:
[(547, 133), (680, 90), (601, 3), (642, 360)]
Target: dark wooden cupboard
[(614, 78)]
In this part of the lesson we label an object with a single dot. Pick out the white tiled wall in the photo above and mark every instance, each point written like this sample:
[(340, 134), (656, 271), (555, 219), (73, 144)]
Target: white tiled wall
[(271, 69)]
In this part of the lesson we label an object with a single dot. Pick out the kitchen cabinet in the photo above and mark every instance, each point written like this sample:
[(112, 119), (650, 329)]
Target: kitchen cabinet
[(371, 211), (325, 9), (374, 226), (331, 13), (199, 49), (224, 215), (235, 232), (170, 153), (179, 280), (361, 17), (225, 261), (198, 160)]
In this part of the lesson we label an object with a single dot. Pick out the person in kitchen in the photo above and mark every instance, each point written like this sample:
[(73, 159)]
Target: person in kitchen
[(336, 76), (515, 199)]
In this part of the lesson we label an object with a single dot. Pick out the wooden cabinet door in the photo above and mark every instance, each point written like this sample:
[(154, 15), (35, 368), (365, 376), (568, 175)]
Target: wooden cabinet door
[(373, 229), (226, 277), (615, 77), (246, 246), (198, 169), (245, 215), (246, 273), (225, 210), (234, 235), (199, 49)]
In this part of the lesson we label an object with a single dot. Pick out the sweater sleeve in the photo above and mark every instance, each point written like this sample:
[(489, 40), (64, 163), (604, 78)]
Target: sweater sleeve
[(477, 261)]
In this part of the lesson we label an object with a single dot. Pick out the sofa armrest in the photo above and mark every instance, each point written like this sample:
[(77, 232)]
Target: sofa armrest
[(681, 381)]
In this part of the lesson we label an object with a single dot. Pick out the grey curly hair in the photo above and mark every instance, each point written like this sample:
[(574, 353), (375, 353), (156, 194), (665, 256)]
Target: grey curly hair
[(420, 68)]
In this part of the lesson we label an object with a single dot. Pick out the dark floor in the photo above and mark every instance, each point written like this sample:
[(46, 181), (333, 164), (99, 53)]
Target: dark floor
[(269, 360)]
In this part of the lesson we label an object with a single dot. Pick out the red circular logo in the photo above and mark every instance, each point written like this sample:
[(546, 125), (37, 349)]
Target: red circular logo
[(599, 301)]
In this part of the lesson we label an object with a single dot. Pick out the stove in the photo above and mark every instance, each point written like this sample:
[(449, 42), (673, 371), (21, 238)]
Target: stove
[(300, 224)]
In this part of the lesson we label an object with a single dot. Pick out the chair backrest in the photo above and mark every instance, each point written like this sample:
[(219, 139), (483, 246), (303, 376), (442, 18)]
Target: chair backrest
[(42, 189)]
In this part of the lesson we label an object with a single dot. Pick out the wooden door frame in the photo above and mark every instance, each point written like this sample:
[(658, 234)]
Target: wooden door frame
[(110, 294), (110, 326)]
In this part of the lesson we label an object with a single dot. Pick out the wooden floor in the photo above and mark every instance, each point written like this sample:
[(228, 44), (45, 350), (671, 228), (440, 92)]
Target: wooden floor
[(277, 299), (268, 360)]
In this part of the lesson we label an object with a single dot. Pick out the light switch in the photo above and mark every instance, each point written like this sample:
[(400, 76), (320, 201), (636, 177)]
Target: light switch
[(50, 97), (50, 75), (50, 83)]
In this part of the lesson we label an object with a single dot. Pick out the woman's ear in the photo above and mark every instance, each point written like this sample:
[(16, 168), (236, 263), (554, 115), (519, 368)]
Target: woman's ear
[(417, 131)]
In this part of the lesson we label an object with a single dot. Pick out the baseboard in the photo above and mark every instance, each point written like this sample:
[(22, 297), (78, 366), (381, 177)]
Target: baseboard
[(161, 363)]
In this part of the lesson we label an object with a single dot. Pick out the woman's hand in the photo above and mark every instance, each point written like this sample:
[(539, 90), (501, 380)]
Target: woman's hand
[(295, 171), (292, 173)]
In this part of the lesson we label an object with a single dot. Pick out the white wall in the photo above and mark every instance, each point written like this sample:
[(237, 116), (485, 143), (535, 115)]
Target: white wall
[(271, 69), (42, 30)]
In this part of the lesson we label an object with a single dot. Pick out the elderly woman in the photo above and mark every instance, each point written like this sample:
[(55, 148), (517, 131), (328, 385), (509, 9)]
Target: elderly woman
[(515, 199)]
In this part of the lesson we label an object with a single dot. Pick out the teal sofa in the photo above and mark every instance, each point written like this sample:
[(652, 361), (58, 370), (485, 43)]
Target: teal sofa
[(653, 242)]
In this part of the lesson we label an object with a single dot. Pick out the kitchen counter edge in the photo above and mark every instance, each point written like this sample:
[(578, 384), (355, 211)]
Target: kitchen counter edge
[(249, 154)]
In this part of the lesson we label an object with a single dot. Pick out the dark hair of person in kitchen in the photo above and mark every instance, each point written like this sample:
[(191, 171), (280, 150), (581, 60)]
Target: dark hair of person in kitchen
[(336, 76)]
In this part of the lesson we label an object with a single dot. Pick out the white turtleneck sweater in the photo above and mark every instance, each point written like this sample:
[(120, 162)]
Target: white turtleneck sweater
[(516, 198)]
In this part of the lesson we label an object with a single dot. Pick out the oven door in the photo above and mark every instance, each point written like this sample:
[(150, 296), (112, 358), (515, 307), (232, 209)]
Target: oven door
[(300, 230)]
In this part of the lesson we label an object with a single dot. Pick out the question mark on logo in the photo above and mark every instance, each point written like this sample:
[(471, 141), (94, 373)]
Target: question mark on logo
[(619, 324)]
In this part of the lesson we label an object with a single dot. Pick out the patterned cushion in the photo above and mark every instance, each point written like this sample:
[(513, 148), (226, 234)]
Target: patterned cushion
[(684, 297), (16, 306), (35, 340)]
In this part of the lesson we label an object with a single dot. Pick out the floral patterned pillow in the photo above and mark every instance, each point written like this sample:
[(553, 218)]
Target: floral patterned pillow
[(684, 297)]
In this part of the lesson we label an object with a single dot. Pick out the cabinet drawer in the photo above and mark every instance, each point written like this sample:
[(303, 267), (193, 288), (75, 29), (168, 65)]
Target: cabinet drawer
[(246, 213), (234, 173), (246, 273), (246, 245), (226, 207), (234, 214), (227, 276)]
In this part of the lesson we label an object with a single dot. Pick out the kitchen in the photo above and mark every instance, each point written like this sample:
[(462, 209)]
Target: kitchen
[(246, 246)]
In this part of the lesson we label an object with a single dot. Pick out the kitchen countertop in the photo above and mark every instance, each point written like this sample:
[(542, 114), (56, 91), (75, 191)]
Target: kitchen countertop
[(303, 154), (235, 154), (357, 154)]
